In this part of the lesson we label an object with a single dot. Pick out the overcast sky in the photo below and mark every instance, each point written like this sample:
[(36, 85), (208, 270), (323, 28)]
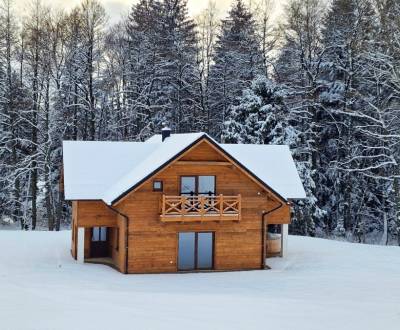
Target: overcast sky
[(116, 8)]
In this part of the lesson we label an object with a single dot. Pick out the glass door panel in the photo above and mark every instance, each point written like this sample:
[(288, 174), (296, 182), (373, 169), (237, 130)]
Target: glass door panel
[(205, 250), (186, 251)]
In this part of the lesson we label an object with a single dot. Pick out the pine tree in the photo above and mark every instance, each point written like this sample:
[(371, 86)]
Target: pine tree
[(360, 156), (261, 116), (237, 61), (298, 67), (163, 81)]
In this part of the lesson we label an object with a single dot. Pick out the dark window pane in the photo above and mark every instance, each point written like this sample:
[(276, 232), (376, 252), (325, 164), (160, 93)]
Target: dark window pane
[(188, 185), (186, 251), (95, 234), (207, 185), (205, 250), (103, 234)]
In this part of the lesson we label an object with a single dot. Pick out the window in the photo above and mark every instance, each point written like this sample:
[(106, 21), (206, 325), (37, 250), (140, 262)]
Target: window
[(157, 185), (206, 185), (99, 234), (198, 185), (188, 185)]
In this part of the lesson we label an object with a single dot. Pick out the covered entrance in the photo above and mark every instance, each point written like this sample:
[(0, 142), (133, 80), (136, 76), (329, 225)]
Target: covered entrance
[(195, 251), (99, 244)]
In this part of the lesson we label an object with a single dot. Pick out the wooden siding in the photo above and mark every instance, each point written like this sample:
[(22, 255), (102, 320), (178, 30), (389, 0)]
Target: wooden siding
[(152, 244), (95, 214), (203, 152)]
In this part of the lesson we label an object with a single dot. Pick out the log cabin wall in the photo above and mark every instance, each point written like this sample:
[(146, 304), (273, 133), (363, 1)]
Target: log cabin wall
[(153, 245), (89, 214)]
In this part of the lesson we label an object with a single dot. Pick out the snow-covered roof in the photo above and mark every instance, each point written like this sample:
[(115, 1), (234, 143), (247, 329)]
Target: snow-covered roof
[(90, 168), (108, 170)]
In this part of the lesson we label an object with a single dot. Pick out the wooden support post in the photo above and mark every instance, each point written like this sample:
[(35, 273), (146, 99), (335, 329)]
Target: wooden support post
[(284, 239), (81, 245)]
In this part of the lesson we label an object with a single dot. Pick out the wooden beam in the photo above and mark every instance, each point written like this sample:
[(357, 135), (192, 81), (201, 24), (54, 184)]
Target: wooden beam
[(208, 163)]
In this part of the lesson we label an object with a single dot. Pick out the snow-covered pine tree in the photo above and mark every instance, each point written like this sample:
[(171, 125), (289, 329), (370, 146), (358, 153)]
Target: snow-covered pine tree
[(298, 67), (163, 79), (385, 66), (142, 83), (360, 158), (261, 116), (237, 61)]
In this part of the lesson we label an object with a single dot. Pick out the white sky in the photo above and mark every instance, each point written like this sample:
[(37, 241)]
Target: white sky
[(116, 8)]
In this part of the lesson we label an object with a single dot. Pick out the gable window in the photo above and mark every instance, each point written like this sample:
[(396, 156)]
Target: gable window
[(198, 185), (157, 185)]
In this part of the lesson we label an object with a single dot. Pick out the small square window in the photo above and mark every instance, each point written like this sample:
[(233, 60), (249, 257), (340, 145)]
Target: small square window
[(157, 185)]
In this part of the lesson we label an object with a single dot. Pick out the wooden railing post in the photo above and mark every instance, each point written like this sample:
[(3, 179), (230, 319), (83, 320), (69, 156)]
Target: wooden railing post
[(183, 205), (221, 204), (163, 205), (202, 207), (240, 206)]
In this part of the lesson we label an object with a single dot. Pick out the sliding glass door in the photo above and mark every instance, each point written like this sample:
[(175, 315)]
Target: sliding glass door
[(195, 251)]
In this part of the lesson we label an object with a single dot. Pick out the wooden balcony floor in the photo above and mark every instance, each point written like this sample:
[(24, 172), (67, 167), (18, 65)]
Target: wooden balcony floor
[(201, 218)]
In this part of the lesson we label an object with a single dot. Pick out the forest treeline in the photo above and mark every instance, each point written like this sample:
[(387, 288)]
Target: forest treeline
[(324, 79)]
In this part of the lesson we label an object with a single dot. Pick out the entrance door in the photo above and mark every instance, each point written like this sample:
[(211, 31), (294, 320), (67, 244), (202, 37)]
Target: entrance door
[(196, 251), (99, 247)]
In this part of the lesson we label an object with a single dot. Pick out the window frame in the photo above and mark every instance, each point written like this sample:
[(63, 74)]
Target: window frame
[(196, 192), (161, 186), (100, 232)]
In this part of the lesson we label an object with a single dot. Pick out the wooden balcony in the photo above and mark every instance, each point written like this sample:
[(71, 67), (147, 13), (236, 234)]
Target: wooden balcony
[(200, 208)]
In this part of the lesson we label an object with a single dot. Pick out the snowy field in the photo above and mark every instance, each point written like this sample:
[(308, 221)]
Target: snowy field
[(321, 285)]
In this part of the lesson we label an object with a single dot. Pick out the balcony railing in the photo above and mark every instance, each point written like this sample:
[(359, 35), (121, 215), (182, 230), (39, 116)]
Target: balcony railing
[(200, 208)]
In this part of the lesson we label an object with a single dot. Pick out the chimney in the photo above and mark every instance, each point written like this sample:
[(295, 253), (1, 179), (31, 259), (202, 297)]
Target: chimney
[(165, 132)]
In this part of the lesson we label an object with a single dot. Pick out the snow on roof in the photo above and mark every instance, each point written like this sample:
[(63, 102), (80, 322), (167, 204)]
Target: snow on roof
[(107, 170), (272, 164), (90, 168)]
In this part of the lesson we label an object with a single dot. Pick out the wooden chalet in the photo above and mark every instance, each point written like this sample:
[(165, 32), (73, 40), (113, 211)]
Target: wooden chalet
[(179, 202)]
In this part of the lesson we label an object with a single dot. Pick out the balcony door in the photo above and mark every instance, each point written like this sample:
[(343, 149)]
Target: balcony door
[(195, 251), (198, 185)]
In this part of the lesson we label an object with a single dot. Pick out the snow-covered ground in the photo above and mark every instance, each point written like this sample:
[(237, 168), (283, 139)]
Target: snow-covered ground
[(321, 285)]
